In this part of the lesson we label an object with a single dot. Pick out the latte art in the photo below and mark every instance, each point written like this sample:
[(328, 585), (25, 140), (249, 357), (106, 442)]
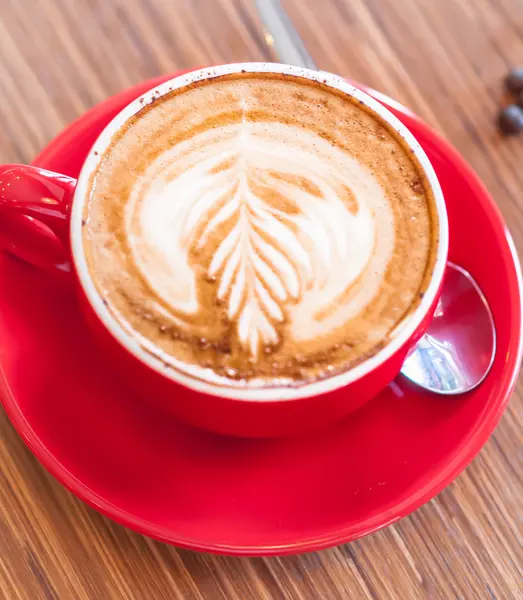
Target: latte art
[(259, 230), (288, 237)]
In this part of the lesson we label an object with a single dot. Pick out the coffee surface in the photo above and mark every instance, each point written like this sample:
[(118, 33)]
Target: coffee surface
[(259, 230)]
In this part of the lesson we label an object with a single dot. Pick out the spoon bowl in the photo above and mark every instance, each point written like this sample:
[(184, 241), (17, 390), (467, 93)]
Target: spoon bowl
[(457, 351)]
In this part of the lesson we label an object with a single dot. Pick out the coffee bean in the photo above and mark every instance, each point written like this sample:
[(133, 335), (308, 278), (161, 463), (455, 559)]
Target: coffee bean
[(510, 120), (514, 80)]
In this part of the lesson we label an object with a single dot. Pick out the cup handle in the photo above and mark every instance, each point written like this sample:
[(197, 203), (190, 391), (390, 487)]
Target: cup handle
[(35, 208)]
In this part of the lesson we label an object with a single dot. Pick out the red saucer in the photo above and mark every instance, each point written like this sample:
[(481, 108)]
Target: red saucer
[(207, 492)]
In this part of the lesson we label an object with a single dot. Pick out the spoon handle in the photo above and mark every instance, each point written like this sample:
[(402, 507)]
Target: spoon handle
[(281, 35)]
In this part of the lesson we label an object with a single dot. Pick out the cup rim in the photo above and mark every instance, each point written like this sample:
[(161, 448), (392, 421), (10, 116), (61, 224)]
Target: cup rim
[(403, 330)]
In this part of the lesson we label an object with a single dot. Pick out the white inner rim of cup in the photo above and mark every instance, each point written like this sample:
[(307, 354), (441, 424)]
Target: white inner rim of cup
[(403, 330)]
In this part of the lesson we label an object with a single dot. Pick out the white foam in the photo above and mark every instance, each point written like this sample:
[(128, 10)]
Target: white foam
[(271, 264)]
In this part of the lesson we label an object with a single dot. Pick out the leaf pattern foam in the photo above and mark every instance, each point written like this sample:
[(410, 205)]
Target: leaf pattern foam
[(295, 232)]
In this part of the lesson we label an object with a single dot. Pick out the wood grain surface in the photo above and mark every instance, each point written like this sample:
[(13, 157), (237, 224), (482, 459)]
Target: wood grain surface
[(443, 58)]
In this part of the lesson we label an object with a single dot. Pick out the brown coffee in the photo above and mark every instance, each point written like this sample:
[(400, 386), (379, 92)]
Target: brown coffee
[(259, 230)]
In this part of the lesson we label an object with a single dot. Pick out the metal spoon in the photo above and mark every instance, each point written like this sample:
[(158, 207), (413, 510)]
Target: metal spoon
[(457, 351)]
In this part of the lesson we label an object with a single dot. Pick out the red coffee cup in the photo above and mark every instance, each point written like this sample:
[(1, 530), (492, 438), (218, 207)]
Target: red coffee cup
[(38, 209)]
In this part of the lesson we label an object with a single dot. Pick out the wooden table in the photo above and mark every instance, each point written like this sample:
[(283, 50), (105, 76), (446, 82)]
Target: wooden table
[(445, 59)]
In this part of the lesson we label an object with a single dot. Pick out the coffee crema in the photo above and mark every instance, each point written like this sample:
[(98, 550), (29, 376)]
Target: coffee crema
[(259, 230)]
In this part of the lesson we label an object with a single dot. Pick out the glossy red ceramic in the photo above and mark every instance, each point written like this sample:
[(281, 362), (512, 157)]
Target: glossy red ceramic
[(207, 492)]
